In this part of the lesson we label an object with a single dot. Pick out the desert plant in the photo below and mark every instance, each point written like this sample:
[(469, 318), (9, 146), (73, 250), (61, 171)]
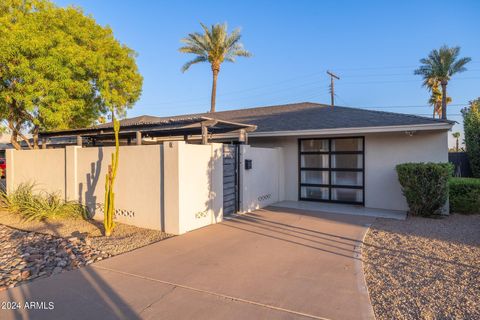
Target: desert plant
[(109, 205), (471, 124), (215, 46), (40, 205), (441, 65), (425, 186), (464, 195)]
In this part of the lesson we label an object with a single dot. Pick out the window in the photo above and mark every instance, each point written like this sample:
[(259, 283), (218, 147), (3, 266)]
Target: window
[(332, 169)]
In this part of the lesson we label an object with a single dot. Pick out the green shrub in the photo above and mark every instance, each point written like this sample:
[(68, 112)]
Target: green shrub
[(464, 195), (425, 186), (40, 205)]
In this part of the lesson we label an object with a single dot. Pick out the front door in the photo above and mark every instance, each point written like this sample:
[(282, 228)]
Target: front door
[(332, 170)]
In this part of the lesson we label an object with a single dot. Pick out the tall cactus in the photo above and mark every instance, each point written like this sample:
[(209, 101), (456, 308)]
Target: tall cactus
[(109, 206)]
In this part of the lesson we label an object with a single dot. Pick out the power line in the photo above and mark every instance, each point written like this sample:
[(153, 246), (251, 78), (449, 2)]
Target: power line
[(278, 86), (373, 75), (316, 83), (401, 81), (389, 67), (289, 88), (413, 106)]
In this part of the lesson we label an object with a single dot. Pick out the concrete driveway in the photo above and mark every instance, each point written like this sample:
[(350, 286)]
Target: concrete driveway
[(270, 264)]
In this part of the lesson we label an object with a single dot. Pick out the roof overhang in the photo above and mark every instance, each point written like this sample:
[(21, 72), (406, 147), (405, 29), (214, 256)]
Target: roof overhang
[(350, 131), (175, 127)]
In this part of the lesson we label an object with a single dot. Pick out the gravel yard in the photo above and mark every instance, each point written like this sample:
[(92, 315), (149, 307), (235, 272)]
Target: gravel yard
[(424, 268), (123, 239), (25, 256), (35, 249)]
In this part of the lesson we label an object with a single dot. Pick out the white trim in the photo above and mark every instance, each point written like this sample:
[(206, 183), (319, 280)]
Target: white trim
[(358, 130)]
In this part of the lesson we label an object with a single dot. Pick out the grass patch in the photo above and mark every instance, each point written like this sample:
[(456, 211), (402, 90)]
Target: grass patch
[(40, 205)]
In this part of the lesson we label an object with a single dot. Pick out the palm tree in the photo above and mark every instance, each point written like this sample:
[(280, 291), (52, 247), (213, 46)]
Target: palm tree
[(215, 46), (441, 65), (435, 100), (456, 135)]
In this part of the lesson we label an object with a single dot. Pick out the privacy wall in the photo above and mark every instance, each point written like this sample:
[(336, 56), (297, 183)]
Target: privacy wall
[(193, 185), (45, 168), (192, 174), (261, 184)]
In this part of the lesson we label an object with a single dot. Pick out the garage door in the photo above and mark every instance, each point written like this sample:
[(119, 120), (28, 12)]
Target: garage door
[(332, 170)]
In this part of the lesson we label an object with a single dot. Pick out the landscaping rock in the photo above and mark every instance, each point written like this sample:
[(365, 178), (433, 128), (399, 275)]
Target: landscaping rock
[(25, 274), (57, 270), (62, 263), (424, 268), (25, 256)]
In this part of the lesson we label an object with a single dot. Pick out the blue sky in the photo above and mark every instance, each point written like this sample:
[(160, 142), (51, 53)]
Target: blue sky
[(374, 46)]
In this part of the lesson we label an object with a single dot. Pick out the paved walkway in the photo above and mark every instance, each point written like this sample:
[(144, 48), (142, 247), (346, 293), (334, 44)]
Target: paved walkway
[(270, 264), (349, 209)]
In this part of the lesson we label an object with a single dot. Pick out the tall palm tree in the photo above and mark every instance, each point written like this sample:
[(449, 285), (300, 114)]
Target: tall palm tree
[(456, 135), (435, 100), (441, 65), (215, 46)]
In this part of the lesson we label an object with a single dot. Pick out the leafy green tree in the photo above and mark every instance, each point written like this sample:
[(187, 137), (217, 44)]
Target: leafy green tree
[(441, 65), (215, 46), (471, 124), (59, 69)]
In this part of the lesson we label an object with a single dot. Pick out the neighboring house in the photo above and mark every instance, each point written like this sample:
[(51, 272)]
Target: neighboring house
[(4, 143), (330, 154)]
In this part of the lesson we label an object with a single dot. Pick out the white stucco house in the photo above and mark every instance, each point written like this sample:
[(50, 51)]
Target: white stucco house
[(176, 175), (342, 154)]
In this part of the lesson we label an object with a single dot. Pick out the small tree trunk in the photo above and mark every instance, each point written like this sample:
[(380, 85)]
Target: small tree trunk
[(444, 99), (214, 89), (14, 141), (35, 137), (15, 129), (29, 145), (457, 145)]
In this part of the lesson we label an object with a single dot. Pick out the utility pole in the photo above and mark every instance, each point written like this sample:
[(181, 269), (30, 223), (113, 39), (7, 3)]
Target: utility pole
[(332, 86)]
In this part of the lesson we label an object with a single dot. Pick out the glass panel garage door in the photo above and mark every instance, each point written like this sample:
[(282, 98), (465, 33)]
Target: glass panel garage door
[(332, 170)]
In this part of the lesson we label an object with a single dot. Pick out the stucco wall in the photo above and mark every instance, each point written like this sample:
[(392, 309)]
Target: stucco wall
[(264, 183), (44, 168), (194, 176), (138, 195), (79, 174), (383, 151), (176, 188), (289, 152)]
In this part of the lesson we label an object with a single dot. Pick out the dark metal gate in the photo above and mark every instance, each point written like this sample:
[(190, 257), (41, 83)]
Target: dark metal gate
[(230, 179), (461, 163)]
